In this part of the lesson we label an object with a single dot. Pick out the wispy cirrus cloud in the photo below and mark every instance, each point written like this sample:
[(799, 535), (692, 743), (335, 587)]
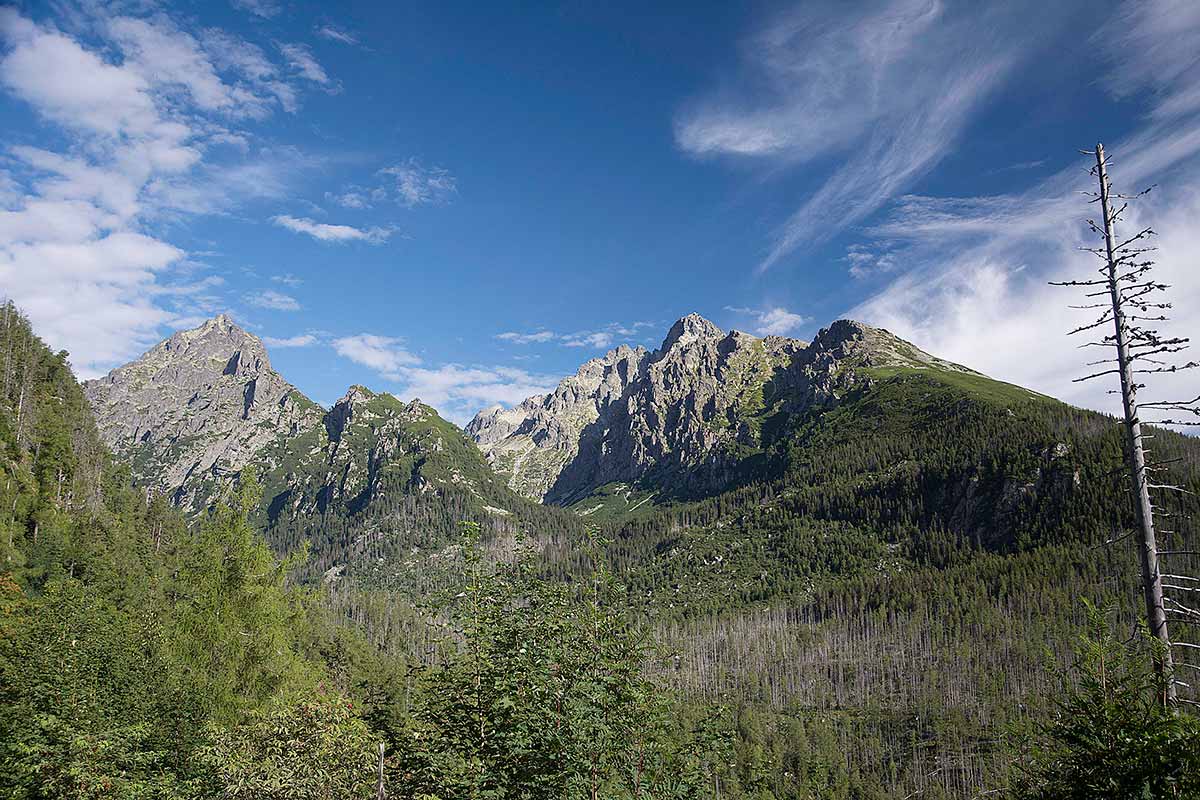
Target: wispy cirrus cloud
[(601, 339), (355, 197), (976, 291), (300, 340), (325, 232), (302, 61), (273, 300), (536, 337), (597, 340), (259, 8), (882, 90), (335, 34), (416, 184), (1157, 43), (409, 183), (456, 390), (869, 261)]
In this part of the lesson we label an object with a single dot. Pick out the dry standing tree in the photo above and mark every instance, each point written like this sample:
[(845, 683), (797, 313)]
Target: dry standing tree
[(1131, 303)]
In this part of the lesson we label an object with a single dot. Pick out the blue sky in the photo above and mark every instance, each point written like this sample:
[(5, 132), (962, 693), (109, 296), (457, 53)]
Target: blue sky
[(464, 201)]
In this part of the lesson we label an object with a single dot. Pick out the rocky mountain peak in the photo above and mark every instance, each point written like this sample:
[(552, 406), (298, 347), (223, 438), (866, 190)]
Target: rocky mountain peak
[(198, 404), (355, 395), (683, 413), (688, 329), (860, 344)]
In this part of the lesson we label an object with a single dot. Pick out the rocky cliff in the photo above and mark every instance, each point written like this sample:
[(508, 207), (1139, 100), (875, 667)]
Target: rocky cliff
[(534, 442), (198, 406), (687, 415)]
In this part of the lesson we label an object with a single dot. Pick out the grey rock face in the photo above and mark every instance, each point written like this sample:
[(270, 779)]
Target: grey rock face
[(532, 443), (685, 415), (197, 407)]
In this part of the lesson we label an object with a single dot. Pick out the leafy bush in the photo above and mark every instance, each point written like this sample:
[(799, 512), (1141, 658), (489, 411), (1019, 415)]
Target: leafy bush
[(312, 747)]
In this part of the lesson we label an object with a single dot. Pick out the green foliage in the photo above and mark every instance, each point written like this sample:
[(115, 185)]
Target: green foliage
[(541, 694), (311, 747), (82, 692), (874, 604), (233, 614), (1111, 738)]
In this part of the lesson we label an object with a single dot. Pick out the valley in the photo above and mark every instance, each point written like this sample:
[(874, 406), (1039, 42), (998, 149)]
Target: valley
[(826, 536)]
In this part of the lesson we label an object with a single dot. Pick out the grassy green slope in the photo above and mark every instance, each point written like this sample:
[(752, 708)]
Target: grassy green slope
[(915, 467)]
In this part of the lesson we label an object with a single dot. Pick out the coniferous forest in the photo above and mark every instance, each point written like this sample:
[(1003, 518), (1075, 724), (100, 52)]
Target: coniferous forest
[(858, 645)]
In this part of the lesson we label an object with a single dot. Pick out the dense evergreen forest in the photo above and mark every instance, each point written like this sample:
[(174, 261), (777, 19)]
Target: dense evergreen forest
[(906, 616)]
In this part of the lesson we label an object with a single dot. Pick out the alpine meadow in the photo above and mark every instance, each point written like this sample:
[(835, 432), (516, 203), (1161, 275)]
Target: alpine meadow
[(791, 400)]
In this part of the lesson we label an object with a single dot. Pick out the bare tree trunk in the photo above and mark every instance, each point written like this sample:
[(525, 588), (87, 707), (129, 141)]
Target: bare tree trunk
[(380, 793), (1156, 616)]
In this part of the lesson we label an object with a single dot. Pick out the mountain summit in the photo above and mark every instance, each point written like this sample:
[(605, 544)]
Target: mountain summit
[(197, 406), (201, 405), (685, 415)]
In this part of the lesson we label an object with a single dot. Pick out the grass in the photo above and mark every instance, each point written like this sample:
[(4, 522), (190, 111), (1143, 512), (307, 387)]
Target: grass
[(978, 387)]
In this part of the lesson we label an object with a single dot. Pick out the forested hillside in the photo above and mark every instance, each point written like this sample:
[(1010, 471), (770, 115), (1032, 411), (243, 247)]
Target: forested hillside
[(394, 480), (146, 655), (894, 611)]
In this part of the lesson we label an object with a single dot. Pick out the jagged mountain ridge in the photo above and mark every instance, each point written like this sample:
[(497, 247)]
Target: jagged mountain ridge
[(691, 419), (194, 410), (365, 443), (772, 463), (685, 415)]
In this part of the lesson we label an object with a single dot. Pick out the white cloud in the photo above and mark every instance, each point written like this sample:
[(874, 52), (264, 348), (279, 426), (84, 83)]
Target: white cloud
[(144, 112), (988, 305), (273, 300), (536, 337), (167, 57), (384, 354), (261, 8), (73, 86), (336, 35), (419, 185), (301, 59), (885, 87), (332, 233), (91, 296), (1156, 45), (409, 183), (600, 340), (351, 198), (457, 391), (869, 262), (979, 295), (287, 279), (258, 81), (302, 340), (773, 321)]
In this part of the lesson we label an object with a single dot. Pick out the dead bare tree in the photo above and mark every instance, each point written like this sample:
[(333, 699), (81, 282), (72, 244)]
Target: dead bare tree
[(1131, 302)]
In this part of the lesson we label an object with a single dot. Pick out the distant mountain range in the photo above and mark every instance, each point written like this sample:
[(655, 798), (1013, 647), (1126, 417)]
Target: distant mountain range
[(683, 419), (703, 443)]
